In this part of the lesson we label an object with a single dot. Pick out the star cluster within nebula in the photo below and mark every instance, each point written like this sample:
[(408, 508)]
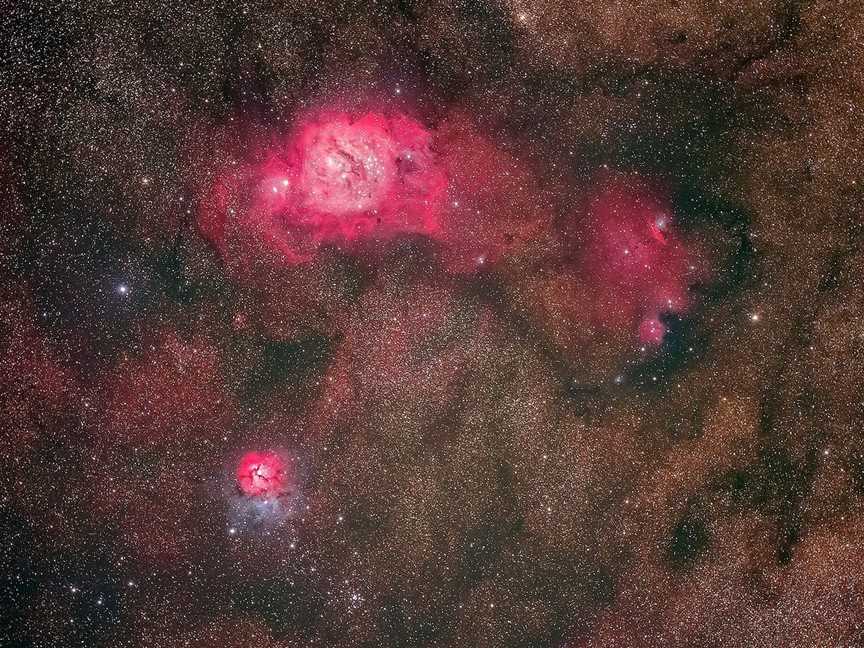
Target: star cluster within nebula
[(339, 179), (404, 324)]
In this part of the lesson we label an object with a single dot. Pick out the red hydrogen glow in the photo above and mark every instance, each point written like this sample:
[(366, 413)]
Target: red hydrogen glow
[(498, 207), (344, 167), (632, 248), (337, 179), (262, 474)]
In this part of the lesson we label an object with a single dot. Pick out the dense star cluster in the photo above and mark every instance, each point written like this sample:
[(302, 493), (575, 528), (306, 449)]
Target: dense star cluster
[(455, 323)]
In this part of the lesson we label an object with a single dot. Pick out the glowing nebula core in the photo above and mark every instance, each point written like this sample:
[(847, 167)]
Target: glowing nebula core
[(263, 474), (346, 168), (338, 179)]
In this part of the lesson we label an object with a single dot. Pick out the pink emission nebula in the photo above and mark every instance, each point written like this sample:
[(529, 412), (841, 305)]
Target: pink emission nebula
[(263, 474), (449, 324), (338, 180)]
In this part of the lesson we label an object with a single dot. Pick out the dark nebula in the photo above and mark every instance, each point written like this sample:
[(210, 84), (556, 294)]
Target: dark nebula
[(443, 324)]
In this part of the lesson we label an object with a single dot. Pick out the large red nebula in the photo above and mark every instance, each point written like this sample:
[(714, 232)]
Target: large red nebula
[(337, 179), (341, 180), (263, 474)]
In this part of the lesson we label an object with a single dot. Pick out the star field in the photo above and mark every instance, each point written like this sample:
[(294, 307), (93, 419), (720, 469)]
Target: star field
[(459, 324)]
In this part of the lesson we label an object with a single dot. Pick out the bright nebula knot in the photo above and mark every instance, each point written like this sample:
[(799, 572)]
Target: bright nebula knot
[(347, 167), (263, 474)]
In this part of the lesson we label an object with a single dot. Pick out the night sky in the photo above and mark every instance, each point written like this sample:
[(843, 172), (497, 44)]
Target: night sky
[(459, 323)]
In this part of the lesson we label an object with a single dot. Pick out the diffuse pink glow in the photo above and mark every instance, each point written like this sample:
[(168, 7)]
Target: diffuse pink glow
[(343, 179), (263, 474), (641, 264)]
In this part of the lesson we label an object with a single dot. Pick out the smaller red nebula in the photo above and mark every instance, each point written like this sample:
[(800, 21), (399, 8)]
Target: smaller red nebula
[(652, 331), (641, 265), (623, 271), (262, 474)]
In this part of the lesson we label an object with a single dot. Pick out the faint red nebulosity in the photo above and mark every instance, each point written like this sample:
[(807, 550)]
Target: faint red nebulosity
[(618, 269), (171, 392), (263, 474), (642, 266), (498, 208), (337, 179)]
